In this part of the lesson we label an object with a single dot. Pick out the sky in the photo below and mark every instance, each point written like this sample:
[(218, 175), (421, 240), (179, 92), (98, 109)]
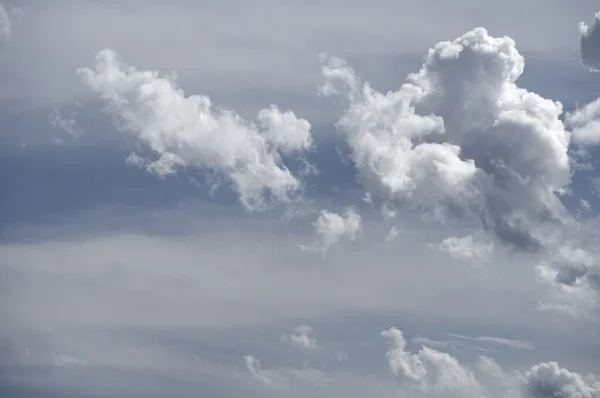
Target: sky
[(276, 198)]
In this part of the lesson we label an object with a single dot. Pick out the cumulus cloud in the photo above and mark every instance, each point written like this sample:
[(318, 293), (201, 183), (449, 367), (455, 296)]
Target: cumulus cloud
[(301, 337), (549, 380), (467, 248), (460, 137), (590, 44), (330, 228), (191, 132), (585, 123), (435, 373), (429, 370)]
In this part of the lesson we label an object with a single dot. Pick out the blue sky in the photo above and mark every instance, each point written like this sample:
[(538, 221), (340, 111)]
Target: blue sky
[(287, 199)]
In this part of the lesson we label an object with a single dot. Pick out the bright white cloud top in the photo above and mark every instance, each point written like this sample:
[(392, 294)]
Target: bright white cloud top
[(461, 136), (189, 132)]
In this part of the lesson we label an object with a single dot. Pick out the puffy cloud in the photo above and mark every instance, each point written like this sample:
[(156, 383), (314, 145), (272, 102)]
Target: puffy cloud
[(461, 137), (590, 43), (585, 123), (549, 380), (191, 132), (467, 248), (429, 370), (330, 228), (436, 373), (302, 337)]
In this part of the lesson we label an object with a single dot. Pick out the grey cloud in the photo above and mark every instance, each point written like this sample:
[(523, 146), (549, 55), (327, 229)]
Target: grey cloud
[(590, 44), (575, 274), (67, 124), (549, 380), (458, 137), (303, 336)]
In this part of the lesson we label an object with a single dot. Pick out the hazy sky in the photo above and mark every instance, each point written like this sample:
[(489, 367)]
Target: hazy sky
[(273, 198)]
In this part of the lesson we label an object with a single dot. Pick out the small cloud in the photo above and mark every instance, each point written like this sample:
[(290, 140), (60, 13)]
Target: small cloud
[(393, 234), (584, 205), (585, 123), (467, 248), (301, 337), (255, 369), (67, 361), (136, 160), (66, 124), (331, 228)]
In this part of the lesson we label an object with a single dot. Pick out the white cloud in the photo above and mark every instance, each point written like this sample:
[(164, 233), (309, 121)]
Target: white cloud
[(429, 370), (330, 228), (549, 380), (590, 43), (190, 132), (301, 337), (461, 137), (435, 373), (468, 248), (585, 123)]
